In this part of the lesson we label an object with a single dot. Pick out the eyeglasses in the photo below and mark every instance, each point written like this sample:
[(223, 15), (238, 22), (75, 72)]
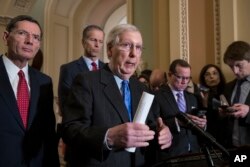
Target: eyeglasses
[(24, 35), (180, 78), (94, 40), (126, 46)]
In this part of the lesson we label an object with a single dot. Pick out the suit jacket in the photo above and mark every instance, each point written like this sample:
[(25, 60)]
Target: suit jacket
[(35, 146), (94, 105), (165, 106), (67, 74), (228, 123)]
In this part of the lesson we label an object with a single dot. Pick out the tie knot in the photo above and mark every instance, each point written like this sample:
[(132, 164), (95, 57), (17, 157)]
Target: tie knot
[(94, 66), (241, 81), (21, 74), (125, 82), (179, 94)]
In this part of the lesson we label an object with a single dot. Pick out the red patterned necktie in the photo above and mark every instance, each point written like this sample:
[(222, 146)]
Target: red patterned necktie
[(23, 97), (94, 66)]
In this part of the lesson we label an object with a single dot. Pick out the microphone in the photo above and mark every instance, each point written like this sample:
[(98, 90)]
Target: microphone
[(184, 118)]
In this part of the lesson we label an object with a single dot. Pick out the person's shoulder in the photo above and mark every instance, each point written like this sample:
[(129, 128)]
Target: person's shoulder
[(71, 63), (40, 75)]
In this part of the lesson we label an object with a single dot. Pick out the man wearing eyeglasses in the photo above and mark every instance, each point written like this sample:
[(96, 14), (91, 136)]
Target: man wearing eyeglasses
[(27, 121), (171, 99), (97, 122)]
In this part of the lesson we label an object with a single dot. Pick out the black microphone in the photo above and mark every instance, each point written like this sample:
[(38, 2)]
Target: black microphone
[(189, 123)]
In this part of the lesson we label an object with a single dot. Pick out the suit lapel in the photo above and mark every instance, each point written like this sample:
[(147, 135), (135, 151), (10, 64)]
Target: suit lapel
[(7, 93), (34, 94), (168, 94), (82, 64), (135, 95), (113, 94), (188, 103)]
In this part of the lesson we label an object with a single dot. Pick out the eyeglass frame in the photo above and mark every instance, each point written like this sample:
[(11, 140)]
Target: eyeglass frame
[(180, 78), (127, 47)]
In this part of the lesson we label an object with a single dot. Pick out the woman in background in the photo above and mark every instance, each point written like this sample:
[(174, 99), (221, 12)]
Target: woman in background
[(212, 83)]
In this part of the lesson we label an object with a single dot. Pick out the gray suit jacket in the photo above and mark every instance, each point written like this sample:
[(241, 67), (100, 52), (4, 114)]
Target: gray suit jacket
[(228, 123), (94, 105)]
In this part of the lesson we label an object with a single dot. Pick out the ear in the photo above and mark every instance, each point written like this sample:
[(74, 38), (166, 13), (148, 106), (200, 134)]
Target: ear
[(5, 37), (83, 42), (109, 51)]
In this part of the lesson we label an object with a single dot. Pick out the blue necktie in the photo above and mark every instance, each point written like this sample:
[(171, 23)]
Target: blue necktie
[(127, 97), (181, 102)]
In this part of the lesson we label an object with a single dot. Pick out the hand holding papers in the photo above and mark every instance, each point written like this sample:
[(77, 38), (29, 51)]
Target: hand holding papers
[(142, 111)]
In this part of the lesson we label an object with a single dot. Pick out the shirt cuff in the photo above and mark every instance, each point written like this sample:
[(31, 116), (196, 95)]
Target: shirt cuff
[(106, 145)]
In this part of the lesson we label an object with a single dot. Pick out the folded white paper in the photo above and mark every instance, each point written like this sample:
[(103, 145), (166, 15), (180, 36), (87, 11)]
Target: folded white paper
[(142, 111)]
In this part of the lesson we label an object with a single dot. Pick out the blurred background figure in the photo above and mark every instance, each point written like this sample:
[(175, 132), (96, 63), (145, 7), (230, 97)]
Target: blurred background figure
[(144, 77), (37, 62), (212, 83), (157, 78), (192, 88)]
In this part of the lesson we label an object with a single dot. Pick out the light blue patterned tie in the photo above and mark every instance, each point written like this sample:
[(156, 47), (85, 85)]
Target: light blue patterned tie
[(127, 97), (181, 102)]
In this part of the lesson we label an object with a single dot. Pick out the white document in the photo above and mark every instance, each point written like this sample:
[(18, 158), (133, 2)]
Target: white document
[(142, 112)]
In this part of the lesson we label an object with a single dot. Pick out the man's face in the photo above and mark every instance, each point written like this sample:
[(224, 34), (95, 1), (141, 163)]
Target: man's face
[(212, 77), (179, 80), (93, 44), (23, 41), (241, 68), (125, 56)]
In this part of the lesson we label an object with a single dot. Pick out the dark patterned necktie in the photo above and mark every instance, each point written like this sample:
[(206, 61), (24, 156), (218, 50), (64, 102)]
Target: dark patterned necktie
[(23, 98), (94, 66), (127, 97), (238, 91)]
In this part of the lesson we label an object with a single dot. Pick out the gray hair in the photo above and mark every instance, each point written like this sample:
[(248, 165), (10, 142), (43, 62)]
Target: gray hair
[(113, 36)]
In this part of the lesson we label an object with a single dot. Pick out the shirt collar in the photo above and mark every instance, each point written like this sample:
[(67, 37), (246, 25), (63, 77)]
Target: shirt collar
[(12, 69)]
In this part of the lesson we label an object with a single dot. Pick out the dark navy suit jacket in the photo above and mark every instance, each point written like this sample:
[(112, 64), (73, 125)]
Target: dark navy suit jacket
[(67, 74), (35, 146), (166, 106)]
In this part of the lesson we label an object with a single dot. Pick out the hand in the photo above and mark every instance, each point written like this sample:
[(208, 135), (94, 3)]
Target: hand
[(129, 135), (164, 135), (204, 96), (201, 122), (240, 110)]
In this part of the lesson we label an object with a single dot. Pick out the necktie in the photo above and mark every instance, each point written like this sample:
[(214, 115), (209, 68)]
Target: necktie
[(236, 131), (181, 102), (238, 91), (127, 97), (23, 97), (94, 66)]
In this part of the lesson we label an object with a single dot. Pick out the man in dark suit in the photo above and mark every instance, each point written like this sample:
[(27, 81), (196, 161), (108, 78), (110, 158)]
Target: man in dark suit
[(167, 104), (92, 42), (237, 117), (27, 130), (97, 123)]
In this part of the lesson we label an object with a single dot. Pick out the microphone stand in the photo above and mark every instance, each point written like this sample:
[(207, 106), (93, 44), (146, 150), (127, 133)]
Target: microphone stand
[(209, 159), (204, 135)]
